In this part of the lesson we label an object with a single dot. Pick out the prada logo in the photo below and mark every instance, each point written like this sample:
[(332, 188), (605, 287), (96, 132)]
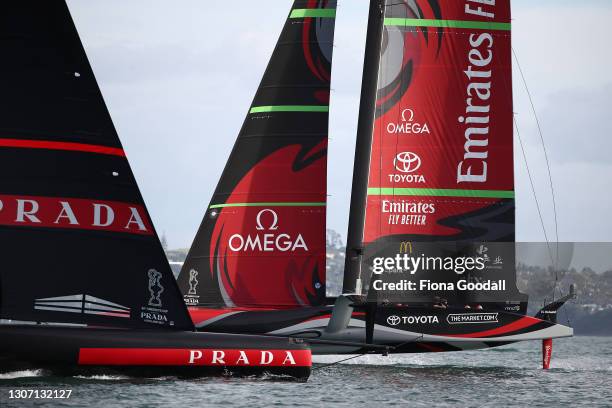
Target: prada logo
[(75, 213)]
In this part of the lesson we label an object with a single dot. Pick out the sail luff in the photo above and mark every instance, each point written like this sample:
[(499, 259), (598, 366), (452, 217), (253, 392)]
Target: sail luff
[(363, 148)]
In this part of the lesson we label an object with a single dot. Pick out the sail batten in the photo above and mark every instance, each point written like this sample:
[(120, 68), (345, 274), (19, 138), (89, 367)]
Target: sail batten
[(277, 204), (313, 13), (479, 25), (439, 192), (290, 108)]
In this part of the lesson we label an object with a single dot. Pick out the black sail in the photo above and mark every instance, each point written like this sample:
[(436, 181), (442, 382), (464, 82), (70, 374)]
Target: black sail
[(77, 242), (262, 240)]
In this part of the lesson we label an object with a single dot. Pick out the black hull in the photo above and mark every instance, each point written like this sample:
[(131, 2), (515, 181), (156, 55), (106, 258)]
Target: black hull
[(400, 328), (87, 351)]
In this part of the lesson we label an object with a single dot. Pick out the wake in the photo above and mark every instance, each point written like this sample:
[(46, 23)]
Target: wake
[(21, 374)]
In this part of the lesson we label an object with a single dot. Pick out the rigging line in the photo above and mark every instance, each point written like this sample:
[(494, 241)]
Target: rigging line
[(533, 189), (550, 180), (340, 361), (367, 353), (421, 337)]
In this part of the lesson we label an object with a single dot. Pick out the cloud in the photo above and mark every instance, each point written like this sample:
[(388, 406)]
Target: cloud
[(578, 125), (563, 46)]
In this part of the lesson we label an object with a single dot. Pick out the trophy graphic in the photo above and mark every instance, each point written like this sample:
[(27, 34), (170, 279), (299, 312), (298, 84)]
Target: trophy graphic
[(193, 281), (155, 288)]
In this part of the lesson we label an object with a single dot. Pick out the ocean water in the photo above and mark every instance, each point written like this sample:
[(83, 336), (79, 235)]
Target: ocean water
[(509, 376)]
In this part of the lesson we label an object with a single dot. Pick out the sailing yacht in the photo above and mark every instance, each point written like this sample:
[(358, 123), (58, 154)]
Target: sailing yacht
[(433, 189), (85, 286)]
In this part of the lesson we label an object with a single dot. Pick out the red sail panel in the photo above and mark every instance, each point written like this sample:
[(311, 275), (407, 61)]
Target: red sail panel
[(443, 132), (441, 166), (267, 245)]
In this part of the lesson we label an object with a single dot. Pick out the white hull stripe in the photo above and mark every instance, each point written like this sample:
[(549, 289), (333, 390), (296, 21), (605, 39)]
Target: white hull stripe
[(556, 331), (216, 319), (82, 304)]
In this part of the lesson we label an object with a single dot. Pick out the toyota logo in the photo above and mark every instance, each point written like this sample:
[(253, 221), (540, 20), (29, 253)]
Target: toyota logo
[(393, 320), (407, 162)]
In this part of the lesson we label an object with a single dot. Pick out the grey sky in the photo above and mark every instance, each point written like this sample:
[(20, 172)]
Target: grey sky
[(179, 77)]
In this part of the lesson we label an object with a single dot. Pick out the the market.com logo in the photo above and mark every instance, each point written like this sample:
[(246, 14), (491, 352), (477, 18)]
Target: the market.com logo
[(267, 238), (407, 163), (470, 318), (408, 125)]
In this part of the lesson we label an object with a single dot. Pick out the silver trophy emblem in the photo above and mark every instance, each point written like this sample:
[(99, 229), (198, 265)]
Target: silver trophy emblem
[(193, 281), (155, 288)]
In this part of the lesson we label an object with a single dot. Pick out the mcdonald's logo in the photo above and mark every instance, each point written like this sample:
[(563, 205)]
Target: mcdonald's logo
[(405, 247)]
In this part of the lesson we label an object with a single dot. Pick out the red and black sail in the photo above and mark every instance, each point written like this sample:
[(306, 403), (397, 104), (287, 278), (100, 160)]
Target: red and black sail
[(434, 172), (262, 240), (78, 245)]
